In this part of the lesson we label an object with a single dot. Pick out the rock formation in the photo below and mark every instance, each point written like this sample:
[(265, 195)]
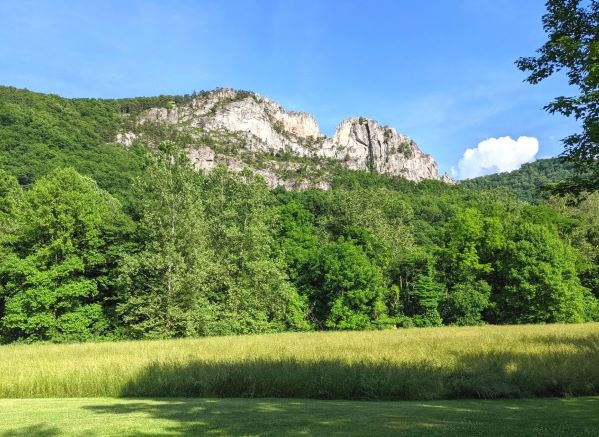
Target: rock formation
[(262, 127)]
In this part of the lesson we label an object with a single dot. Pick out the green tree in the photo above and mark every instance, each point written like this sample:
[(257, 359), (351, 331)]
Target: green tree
[(298, 238), (11, 197), (418, 291), (472, 242), (345, 288), (573, 45), (249, 286), (57, 272), (584, 235), (167, 279), (374, 219), (539, 281), (465, 304)]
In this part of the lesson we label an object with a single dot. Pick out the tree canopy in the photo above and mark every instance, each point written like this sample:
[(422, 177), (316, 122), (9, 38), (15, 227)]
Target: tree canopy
[(572, 27)]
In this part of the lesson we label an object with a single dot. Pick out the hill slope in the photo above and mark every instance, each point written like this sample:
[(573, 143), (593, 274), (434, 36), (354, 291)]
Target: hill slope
[(525, 182), (39, 132)]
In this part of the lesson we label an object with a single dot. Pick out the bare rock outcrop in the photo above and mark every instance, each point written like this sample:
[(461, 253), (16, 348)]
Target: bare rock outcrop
[(363, 144), (263, 126)]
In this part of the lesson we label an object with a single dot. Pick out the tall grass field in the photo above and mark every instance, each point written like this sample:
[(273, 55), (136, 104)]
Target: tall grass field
[(417, 364)]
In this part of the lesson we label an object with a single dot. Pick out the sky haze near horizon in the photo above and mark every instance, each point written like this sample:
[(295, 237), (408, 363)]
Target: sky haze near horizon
[(440, 71)]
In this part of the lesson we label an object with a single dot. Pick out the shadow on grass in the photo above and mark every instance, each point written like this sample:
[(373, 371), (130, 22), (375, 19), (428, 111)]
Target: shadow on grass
[(588, 343), (38, 430), (322, 418), (487, 376), (277, 417)]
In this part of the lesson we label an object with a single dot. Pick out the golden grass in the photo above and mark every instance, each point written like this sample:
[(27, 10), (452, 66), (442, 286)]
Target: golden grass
[(432, 363)]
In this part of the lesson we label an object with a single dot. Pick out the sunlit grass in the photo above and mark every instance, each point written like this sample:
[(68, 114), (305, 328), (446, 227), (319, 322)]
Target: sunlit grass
[(297, 417), (435, 363)]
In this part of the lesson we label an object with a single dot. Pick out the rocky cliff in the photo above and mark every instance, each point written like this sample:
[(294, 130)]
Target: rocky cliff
[(242, 129)]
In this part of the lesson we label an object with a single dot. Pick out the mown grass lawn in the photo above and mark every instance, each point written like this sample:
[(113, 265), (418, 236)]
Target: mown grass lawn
[(277, 417)]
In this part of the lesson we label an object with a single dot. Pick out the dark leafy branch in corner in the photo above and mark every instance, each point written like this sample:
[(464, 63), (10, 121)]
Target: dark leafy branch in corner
[(572, 27)]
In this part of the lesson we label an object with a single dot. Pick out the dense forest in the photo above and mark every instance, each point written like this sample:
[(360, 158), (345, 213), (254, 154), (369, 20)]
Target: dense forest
[(531, 182), (99, 241)]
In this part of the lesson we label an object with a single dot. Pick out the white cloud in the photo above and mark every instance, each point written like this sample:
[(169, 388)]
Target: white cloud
[(496, 155)]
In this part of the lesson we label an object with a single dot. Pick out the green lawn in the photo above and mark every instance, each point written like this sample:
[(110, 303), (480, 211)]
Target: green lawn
[(276, 417)]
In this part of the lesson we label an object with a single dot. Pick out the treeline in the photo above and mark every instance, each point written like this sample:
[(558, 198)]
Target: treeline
[(194, 255)]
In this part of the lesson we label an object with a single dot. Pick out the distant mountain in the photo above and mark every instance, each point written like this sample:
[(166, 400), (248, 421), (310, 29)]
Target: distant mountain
[(240, 129), (525, 182)]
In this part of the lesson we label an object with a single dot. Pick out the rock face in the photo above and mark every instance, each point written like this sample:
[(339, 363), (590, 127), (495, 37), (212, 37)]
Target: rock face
[(262, 126), (365, 145)]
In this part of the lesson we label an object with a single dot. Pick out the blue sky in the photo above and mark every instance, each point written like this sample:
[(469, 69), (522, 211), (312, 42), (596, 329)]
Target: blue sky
[(440, 71)]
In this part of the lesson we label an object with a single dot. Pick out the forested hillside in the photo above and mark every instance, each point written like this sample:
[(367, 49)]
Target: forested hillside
[(99, 240), (527, 182), (39, 132)]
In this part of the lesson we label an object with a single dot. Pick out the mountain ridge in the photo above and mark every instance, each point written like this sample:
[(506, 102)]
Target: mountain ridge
[(254, 124)]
